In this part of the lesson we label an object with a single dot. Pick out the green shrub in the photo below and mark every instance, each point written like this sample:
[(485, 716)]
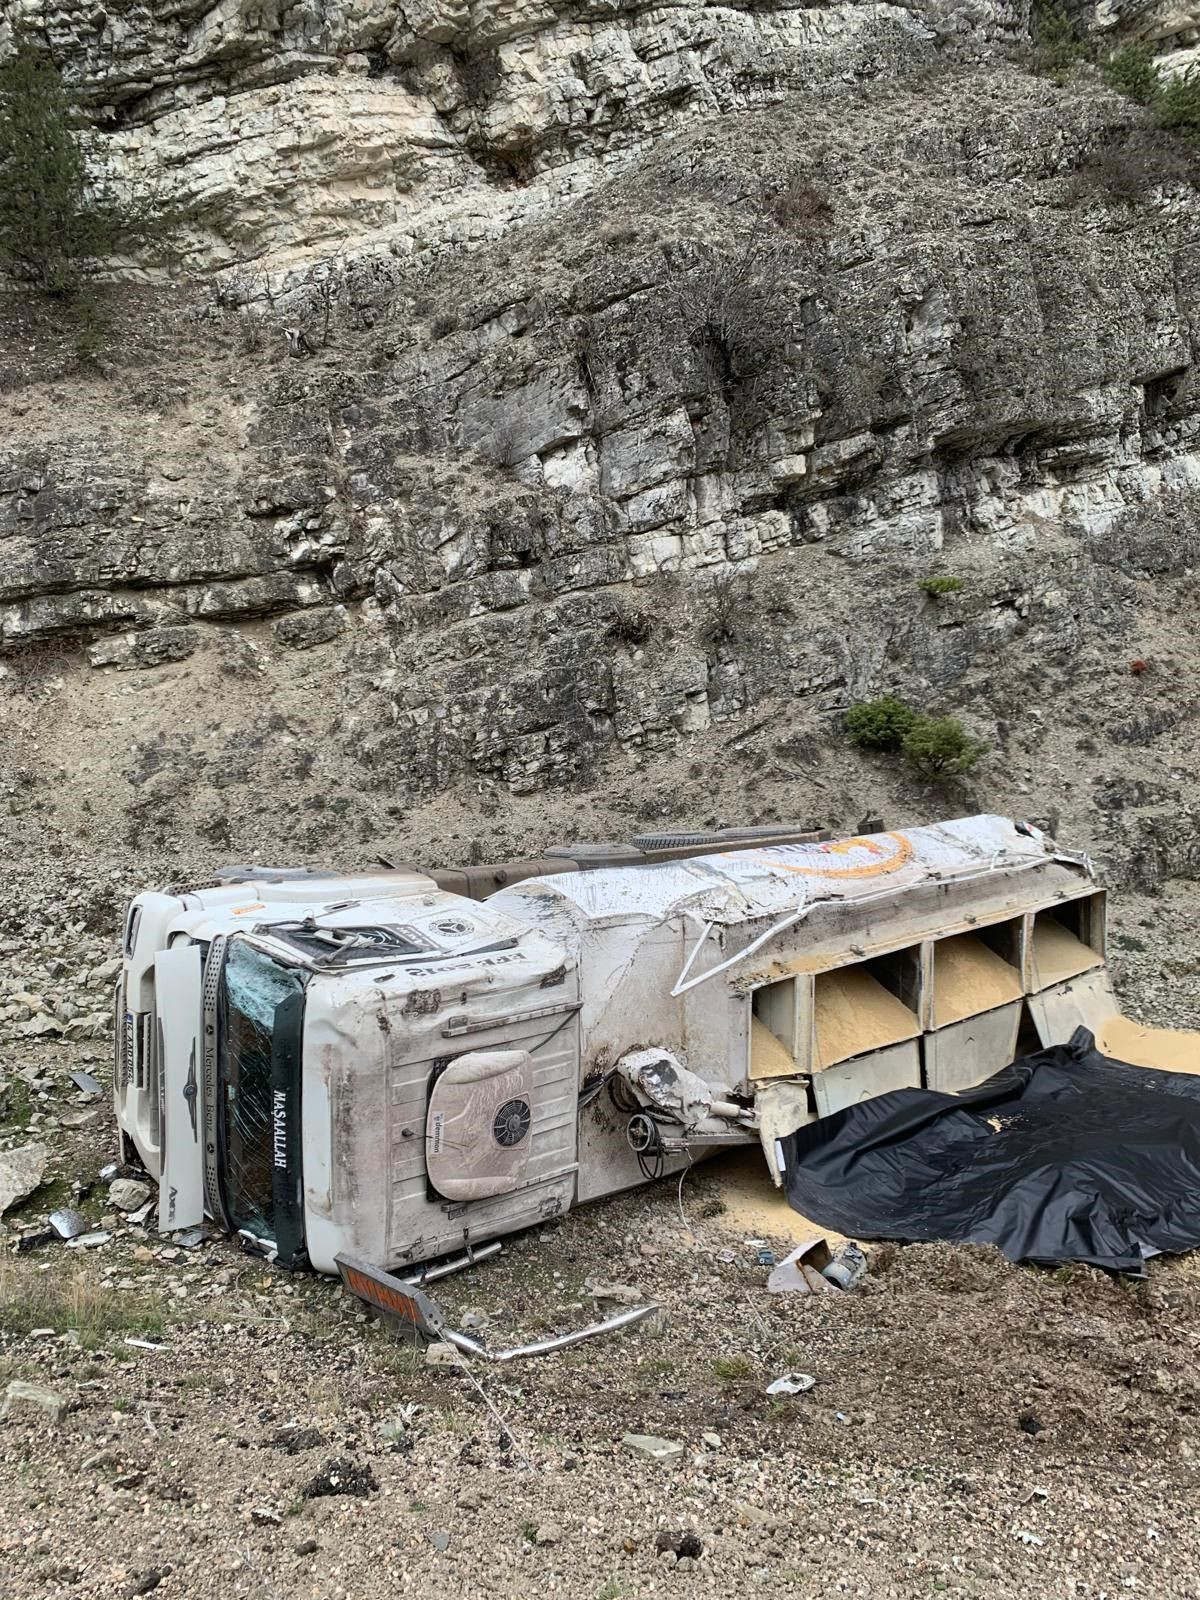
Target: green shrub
[(881, 724), (1178, 107), (940, 747), (1132, 72), (58, 224), (940, 585), (1056, 45), (91, 330)]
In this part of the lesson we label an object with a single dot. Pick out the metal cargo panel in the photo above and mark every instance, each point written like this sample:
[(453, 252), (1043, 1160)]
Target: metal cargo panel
[(1086, 1001), (968, 1052), (898, 1067)]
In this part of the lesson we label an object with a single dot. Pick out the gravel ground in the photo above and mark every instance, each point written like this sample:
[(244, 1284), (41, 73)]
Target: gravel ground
[(974, 1427)]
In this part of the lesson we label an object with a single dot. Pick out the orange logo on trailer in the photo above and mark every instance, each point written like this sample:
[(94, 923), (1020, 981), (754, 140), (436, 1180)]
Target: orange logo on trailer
[(888, 852)]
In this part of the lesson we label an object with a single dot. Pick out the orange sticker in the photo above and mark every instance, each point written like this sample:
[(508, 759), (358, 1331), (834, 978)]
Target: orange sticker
[(883, 860)]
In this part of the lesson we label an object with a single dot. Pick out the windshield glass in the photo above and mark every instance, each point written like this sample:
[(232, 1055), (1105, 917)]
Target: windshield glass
[(261, 1015)]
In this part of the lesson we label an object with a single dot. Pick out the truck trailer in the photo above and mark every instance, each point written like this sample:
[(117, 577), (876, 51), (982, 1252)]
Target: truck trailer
[(395, 1066)]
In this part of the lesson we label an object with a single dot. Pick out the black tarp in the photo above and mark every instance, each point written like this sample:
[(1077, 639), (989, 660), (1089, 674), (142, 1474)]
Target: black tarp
[(1064, 1156)]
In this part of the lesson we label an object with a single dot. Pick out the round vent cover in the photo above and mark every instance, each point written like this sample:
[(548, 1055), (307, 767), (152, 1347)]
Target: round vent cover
[(511, 1122)]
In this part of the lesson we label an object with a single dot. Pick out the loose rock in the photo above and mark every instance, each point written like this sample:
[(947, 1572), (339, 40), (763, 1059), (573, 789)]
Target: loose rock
[(127, 1194), (21, 1171), (33, 1396)]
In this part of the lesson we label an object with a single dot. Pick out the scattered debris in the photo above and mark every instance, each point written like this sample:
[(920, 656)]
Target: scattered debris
[(800, 1272), (144, 1344), (339, 1476), (88, 1084), (21, 1171), (792, 1383), (293, 1439), (562, 1341), (48, 1401), (415, 1316), (623, 1294), (146, 1582), (439, 1539), (31, 1241), (68, 1223), (847, 1267), (680, 1542), (127, 1194), (89, 1241), (190, 1238), (647, 1444), (1026, 1537)]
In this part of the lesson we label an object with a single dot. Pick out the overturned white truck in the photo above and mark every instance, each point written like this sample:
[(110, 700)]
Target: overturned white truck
[(373, 1066)]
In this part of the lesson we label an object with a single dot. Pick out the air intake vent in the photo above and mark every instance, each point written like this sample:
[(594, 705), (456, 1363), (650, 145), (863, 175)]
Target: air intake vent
[(674, 841), (725, 838)]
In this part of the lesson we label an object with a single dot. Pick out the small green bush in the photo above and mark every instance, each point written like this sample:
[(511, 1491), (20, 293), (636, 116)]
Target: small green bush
[(1056, 45), (940, 585), (1174, 102), (940, 747), (1178, 107), (881, 724), (1132, 72)]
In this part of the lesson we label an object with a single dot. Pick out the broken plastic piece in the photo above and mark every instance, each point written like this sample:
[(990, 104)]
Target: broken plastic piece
[(190, 1238), (85, 1081), (792, 1383), (68, 1223)]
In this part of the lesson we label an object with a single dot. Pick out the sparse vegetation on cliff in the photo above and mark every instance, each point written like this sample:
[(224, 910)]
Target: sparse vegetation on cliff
[(936, 747), (59, 223)]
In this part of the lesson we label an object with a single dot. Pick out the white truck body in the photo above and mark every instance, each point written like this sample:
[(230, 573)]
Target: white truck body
[(369, 1065)]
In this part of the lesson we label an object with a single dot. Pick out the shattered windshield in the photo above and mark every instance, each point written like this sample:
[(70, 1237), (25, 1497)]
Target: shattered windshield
[(258, 1062)]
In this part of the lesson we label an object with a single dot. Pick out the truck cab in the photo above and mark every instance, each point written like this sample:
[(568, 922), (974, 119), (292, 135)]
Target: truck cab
[(263, 1022)]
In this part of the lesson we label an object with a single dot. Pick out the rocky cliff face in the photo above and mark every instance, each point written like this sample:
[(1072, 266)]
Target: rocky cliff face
[(298, 130), (777, 314)]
